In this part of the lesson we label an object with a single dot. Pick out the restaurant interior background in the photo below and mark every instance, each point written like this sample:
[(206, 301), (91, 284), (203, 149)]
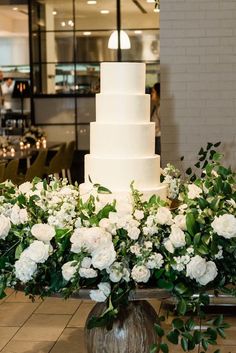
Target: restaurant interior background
[(58, 45)]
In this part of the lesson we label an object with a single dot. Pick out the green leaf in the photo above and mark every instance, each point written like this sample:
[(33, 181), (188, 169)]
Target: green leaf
[(192, 226), (217, 351), (103, 190), (182, 307), (219, 320), (181, 288), (162, 283), (221, 332), (153, 348), (217, 144), (201, 151), (217, 156), (203, 249), (18, 251), (205, 344), (177, 323), (197, 239), (197, 165), (190, 324), (209, 145), (159, 330), (182, 158), (197, 335), (184, 344), (173, 336), (164, 348)]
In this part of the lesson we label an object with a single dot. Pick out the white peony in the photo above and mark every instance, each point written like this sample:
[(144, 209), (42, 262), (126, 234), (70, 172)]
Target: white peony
[(225, 226), (37, 251), (43, 232), (140, 273), (155, 261), (180, 221), (103, 257), (164, 216), (194, 191), (69, 270), (177, 237), (18, 215), (209, 275), (101, 294), (196, 268), (25, 268), (5, 226), (26, 188)]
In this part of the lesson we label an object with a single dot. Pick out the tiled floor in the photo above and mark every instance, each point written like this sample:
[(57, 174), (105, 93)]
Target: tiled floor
[(56, 326)]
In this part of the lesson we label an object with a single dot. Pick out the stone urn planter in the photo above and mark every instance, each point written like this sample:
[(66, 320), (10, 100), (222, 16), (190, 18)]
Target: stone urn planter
[(133, 330)]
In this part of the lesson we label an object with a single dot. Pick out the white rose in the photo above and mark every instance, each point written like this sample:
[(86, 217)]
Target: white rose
[(25, 268), (209, 275), (5, 226), (169, 246), (196, 267), (86, 262), (26, 187), (87, 272), (133, 232), (180, 221), (155, 261), (37, 251), (194, 191), (101, 294), (43, 232), (135, 249), (69, 270), (148, 244), (164, 216), (140, 273), (177, 237), (138, 214), (225, 226), (103, 257), (115, 272)]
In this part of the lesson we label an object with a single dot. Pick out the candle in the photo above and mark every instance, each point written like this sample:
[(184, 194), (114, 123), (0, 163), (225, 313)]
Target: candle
[(38, 145), (44, 142), (12, 152), (28, 145), (21, 145)]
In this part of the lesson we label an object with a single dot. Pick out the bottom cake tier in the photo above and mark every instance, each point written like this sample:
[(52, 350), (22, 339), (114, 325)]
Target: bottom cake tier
[(119, 173)]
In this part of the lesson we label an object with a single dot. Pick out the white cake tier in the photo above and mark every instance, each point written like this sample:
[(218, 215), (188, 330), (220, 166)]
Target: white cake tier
[(118, 173), (122, 77), (87, 189), (123, 108), (122, 140)]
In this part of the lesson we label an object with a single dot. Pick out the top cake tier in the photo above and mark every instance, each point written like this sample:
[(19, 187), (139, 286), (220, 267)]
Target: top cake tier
[(122, 78)]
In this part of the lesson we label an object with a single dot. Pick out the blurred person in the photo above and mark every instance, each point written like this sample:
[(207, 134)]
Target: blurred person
[(155, 115), (7, 89)]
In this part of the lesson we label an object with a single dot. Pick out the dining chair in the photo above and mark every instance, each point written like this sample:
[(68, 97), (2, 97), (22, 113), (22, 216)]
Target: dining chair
[(2, 171), (37, 168), (11, 171), (67, 161), (55, 164)]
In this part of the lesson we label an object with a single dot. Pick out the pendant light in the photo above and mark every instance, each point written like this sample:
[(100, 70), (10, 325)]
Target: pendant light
[(124, 40)]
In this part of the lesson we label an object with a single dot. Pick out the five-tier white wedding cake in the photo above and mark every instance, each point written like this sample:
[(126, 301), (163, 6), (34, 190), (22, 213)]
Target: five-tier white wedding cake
[(122, 140)]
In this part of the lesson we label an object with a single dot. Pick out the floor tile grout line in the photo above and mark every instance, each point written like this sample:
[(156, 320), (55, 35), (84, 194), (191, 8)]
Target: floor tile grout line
[(20, 326)]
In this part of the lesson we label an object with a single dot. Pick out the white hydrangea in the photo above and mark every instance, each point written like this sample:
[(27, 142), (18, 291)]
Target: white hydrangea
[(5, 226), (180, 262), (102, 293), (155, 261), (25, 269), (140, 273), (225, 226), (194, 191), (18, 215)]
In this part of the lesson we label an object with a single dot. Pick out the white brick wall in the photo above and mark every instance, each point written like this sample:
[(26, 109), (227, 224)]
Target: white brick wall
[(198, 78)]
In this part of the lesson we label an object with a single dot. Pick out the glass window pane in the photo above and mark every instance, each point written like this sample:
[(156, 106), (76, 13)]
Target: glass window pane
[(87, 78), (101, 15), (54, 110)]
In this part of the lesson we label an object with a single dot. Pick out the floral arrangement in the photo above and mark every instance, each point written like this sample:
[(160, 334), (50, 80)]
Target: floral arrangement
[(52, 239), (32, 135)]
